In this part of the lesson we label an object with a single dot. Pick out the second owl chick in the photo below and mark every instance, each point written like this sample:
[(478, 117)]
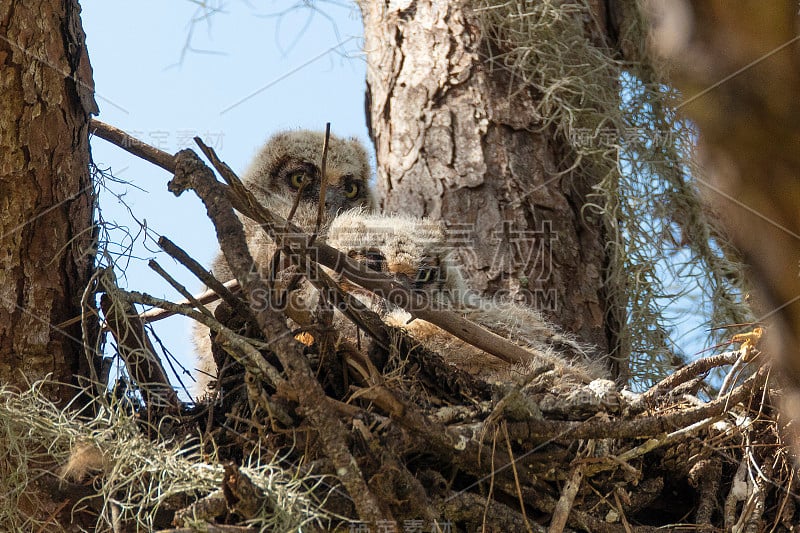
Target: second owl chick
[(417, 253), (287, 165)]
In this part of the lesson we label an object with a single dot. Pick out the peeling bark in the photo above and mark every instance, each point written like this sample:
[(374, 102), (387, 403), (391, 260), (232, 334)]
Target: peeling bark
[(46, 197), (454, 143)]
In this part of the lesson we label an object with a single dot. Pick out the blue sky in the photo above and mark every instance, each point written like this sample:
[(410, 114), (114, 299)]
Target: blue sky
[(245, 74)]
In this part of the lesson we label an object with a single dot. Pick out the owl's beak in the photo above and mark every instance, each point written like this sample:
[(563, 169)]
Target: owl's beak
[(333, 202)]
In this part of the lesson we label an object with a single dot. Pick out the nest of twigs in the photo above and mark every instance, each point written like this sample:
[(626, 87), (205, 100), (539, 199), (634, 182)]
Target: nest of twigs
[(436, 445), (403, 439)]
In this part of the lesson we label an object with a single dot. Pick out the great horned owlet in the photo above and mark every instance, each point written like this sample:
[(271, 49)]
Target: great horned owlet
[(417, 253), (288, 164)]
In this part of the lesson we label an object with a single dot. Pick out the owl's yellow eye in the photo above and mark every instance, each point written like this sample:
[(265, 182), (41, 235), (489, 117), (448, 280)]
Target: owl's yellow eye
[(351, 190), (296, 180)]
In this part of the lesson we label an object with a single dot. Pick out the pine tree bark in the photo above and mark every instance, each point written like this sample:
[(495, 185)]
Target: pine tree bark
[(453, 142), (46, 195)]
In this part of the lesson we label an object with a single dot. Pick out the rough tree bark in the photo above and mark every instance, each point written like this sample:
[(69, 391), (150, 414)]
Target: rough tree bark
[(46, 197), (453, 145)]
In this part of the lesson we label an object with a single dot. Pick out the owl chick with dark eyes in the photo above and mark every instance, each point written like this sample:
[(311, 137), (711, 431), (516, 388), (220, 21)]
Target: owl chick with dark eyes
[(288, 165), (417, 253), (414, 250)]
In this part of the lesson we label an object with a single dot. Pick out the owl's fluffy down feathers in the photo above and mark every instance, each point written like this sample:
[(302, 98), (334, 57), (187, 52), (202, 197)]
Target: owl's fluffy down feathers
[(286, 155), (408, 248)]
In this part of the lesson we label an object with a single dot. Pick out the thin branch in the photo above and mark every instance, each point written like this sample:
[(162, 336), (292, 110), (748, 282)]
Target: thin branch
[(246, 350), (567, 499), (683, 375), (599, 428), (323, 186), (153, 264), (206, 297), (135, 348), (133, 145), (203, 275)]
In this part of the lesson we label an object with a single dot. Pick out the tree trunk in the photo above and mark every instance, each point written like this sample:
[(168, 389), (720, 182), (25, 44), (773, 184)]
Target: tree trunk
[(456, 142), (46, 196)]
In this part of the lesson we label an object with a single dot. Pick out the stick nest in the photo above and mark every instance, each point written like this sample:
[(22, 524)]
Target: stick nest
[(326, 435)]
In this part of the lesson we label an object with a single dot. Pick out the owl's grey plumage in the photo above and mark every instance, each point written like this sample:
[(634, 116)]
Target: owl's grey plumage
[(417, 253), (414, 250), (288, 164)]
